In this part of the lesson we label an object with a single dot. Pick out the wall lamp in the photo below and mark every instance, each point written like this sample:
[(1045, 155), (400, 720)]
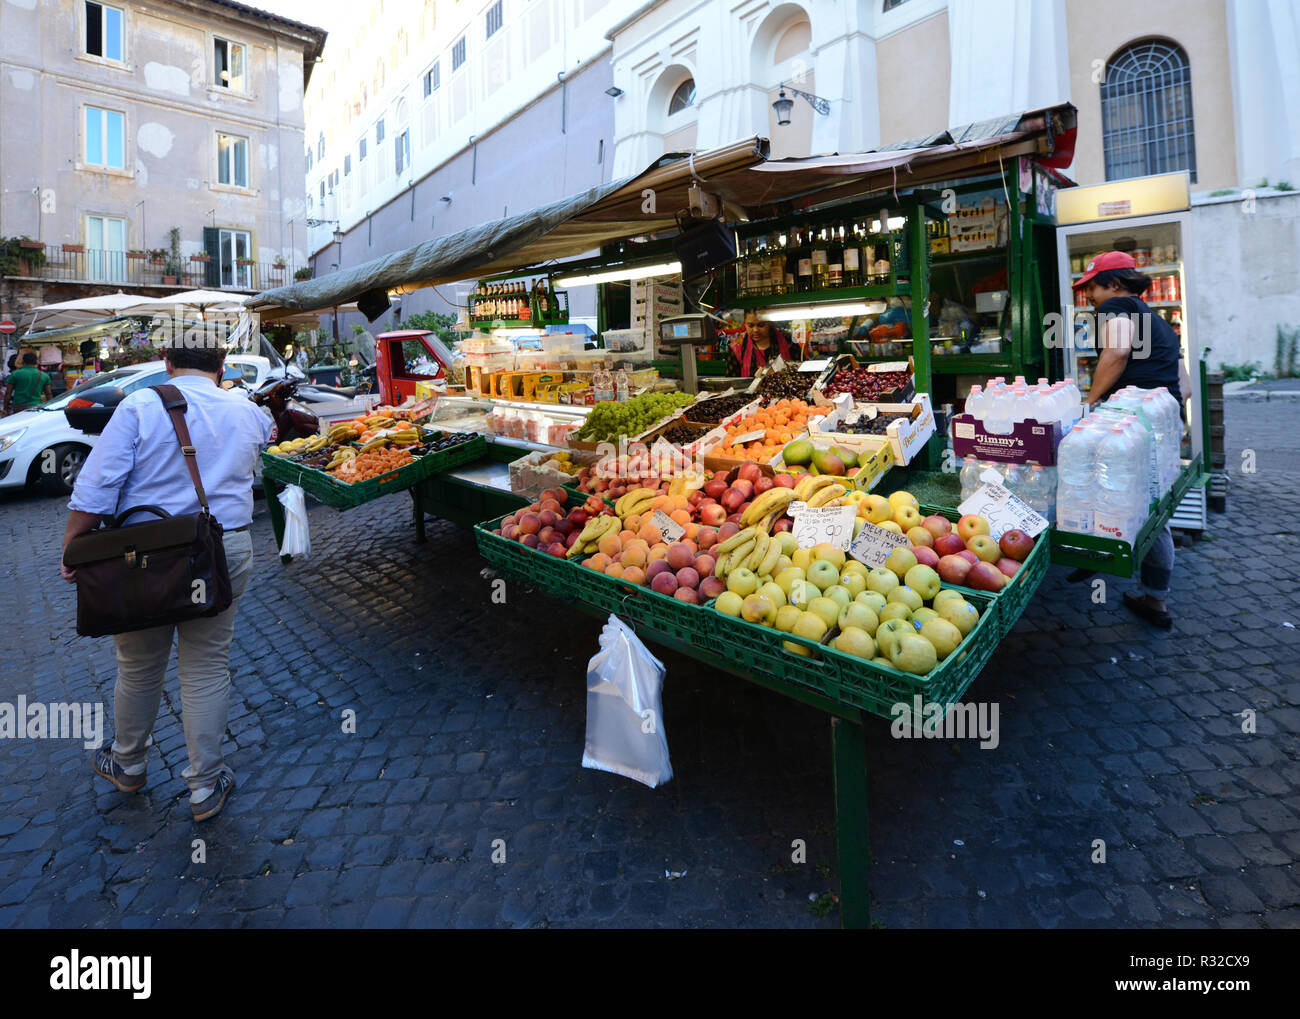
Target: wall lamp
[(785, 105)]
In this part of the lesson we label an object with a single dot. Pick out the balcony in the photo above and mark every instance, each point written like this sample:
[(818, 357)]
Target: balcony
[(125, 269)]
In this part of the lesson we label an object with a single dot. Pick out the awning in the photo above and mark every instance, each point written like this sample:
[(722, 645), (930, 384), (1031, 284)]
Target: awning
[(750, 186), (84, 310)]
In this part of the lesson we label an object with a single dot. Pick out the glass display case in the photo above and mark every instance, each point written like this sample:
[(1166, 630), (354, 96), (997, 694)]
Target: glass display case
[(526, 425)]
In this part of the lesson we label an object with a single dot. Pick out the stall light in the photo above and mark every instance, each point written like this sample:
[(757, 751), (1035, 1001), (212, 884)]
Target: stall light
[(892, 223), (516, 331), (638, 272), (824, 311)]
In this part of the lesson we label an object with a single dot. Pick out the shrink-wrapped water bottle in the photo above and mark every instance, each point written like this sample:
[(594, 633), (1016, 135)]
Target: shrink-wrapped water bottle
[(1122, 484), (1076, 478)]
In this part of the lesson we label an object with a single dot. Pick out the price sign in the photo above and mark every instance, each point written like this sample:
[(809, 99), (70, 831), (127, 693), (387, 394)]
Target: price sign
[(668, 527), (873, 545), (813, 366), (1003, 511), (832, 525), (740, 440)]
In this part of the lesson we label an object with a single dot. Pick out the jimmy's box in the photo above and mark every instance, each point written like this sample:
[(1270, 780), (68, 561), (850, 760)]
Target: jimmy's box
[(1028, 440)]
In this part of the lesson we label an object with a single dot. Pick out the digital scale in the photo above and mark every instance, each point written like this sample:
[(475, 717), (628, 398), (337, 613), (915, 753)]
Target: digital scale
[(688, 332)]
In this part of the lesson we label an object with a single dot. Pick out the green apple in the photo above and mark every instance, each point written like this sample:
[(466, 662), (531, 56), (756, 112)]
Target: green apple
[(782, 563), (855, 583), (861, 616), (840, 594), (913, 653), (874, 600), (879, 660), (858, 524), (827, 609), (881, 580), (921, 615), (775, 593), (899, 562), (785, 579), (801, 557), (962, 614), (896, 610), (802, 592), (947, 594), (786, 617), (824, 574), (853, 566), (924, 581), (789, 546), (758, 609), (853, 641), (810, 625), (985, 548), (943, 635), (889, 631), (905, 596), (829, 553), (729, 603), (742, 581)]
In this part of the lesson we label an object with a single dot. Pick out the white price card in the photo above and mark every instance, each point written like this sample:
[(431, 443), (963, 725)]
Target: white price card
[(822, 524), (668, 527), (873, 544), (740, 440), (813, 366), (1003, 511)]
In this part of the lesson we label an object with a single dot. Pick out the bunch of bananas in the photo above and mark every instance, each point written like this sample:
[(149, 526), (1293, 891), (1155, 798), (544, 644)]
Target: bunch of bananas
[(635, 502), (406, 435), (293, 447), (685, 484), (820, 490), (343, 431), (754, 547), (341, 456), (589, 539), (751, 548)]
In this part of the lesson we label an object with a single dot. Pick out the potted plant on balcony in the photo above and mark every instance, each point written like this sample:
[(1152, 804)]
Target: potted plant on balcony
[(74, 249), (200, 256), (20, 256), (27, 244), (157, 256), (172, 256), (305, 273), (243, 261), (136, 255)]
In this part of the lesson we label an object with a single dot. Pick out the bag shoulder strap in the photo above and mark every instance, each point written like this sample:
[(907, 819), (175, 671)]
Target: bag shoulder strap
[(175, 404)]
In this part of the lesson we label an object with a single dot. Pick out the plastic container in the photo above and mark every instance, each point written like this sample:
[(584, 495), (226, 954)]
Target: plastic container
[(1122, 484)]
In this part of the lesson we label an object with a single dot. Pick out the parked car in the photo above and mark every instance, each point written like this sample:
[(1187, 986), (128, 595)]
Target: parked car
[(49, 444)]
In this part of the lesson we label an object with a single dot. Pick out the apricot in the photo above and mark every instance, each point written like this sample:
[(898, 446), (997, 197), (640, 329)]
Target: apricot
[(680, 516), (649, 533), (632, 523), (625, 536), (659, 551), (598, 562), (634, 574), (692, 531), (614, 570), (680, 502), (662, 502), (611, 545)]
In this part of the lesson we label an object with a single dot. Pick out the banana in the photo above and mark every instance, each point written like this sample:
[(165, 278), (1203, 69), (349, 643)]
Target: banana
[(768, 564), (770, 520), (720, 567), (761, 544), (376, 443), (736, 540), (634, 496), (826, 494), (677, 486), (737, 557), (813, 485), (638, 508), (764, 504)]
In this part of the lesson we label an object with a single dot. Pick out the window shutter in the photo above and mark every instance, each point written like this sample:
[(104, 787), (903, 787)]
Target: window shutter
[(212, 245)]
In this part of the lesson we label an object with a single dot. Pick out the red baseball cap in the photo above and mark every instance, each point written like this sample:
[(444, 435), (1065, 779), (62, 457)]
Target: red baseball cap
[(1103, 262)]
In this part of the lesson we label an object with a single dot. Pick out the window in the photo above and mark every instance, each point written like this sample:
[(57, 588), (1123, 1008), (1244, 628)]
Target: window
[(308, 166), (105, 138), (231, 246), (228, 64), (105, 248), (320, 146), (431, 80), (402, 147), (683, 98), (311, 204), (1146, 111), (458, 54), (889, 5), (379, 132), (347, 165), (493, 19), (104, 32), (322, 194), (361, 155), (232, 160)]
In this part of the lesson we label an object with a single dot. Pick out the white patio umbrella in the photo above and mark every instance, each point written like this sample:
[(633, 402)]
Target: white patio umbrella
[(86, 309), (201, 301)]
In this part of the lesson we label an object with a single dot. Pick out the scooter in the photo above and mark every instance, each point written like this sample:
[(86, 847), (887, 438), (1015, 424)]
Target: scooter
[(292, 419)]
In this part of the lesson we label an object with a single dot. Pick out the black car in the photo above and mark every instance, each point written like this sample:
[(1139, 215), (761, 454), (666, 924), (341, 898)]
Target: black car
[(93, 403)]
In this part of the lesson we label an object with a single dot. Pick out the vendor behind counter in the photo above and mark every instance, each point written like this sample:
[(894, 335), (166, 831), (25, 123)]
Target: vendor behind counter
[(761, 344)]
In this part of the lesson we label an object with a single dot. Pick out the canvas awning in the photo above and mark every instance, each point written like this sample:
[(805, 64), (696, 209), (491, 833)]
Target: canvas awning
[(749, 184)]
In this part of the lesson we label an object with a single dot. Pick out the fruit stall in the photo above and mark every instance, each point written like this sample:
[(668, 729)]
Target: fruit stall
[(802, 529)]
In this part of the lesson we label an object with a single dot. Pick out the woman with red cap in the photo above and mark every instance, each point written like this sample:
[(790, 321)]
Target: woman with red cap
[(1136, 347)]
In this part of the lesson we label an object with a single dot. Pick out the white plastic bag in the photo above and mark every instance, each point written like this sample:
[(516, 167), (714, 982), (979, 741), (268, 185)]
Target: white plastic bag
[(625, 725), (297, 535)]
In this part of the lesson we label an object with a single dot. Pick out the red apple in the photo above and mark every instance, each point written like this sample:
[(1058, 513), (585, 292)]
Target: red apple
[(578, 517), (571, 538), (1016, 544), (953, 569), (784, 524), (734, 519), (948, 544), (784, 481), (925, 555), (706, 538), (746, 488), (564, 525), (1008, 566), (763, 484), (937, 526), (970, 525), (750, 472), (969, 556), (712, 514), (732, 499), (711, 587), (727, 529), (985, 577), (714, 487)]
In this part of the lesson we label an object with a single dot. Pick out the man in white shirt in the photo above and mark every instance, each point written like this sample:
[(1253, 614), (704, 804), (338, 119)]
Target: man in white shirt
[(138, 461)]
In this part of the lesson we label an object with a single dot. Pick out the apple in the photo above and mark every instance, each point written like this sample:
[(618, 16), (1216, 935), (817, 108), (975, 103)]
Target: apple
[(1016, 544), (749, 471), (727, 530), (811, 626), (878, 508), (1008, 566), (784, 481), (889, 631), (896, 610), (785, 579), (696, 497), (946, 595), (827, 608), (948, 544), (952, 569), (854, 641), (712, 587), (826, 552), (899, 562), (786, 617), (774, 593), (839, 594), (942, 634), (742, 582), (937, 526), (923, 580), (763, 484), (913, 653), (984, 576), (854, 583), (925, 555), (918, 535), (882, 580), (921, 615), (712, 514), (858, 524), (729, 603), (873, 600), (745, 488), (985, 548), (758, 609), (907, 517), (902, 498), (802, 558), (789, 546), (714, 488), (970, 525), (823, 574), (706, 538), (904, 595), (969, 556), (961, 613), (862, 616), (891, 525), (783, 525), (732, 499)]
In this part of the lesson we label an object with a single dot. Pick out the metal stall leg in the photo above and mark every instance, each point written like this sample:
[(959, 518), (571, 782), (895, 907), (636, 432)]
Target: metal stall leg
[(272, 490), (417, 497), (849, 750)]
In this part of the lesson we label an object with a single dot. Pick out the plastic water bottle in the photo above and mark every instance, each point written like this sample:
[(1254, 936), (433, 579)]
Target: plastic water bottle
[(1013, 478), (975, 402), (970, 477), (1074, 401), (1039, 492), (1077, 479), (997, 418), (1121, 485)]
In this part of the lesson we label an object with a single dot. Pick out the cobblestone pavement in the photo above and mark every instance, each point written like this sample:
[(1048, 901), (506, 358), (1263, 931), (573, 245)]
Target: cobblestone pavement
[(470, 722)]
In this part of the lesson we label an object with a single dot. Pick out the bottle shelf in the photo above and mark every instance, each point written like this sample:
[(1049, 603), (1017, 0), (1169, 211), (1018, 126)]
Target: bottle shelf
[(839, 295)]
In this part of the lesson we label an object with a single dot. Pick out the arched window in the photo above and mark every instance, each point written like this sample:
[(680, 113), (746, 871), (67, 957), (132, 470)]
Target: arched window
[(889, 5), (683, 98), (320, 146), (1146, 111)]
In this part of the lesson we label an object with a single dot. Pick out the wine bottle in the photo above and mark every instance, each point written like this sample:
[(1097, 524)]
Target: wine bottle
[(776, 264), (835, 256), (852, 265), (821, 261), (803, 262)]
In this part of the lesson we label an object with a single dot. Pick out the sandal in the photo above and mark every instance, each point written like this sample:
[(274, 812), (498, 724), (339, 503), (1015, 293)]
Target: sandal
[(1141, 605)]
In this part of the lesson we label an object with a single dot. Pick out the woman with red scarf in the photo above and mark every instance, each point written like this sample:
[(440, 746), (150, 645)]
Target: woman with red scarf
[(762, 343)]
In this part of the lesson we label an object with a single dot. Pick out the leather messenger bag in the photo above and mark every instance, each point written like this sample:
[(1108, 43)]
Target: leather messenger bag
[(161, 571)]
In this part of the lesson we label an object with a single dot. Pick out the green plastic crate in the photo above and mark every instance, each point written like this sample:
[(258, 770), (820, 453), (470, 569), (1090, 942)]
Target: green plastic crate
[(340, 495)]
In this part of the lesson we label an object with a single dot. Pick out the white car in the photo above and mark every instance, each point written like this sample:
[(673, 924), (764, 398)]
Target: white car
[(40, 445)]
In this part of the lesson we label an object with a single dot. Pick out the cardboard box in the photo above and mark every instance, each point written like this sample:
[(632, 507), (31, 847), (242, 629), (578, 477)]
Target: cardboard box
[(907, 435), (1028, 440), (848, 361), (874, 452)]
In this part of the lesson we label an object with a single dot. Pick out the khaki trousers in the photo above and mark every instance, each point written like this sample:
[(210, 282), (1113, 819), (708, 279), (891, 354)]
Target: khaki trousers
[(203, 664)]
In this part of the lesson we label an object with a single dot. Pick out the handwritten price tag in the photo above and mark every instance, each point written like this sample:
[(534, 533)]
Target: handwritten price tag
[(813, 366), (668, 527), (873, 545), (1003, 511), (829, 524)]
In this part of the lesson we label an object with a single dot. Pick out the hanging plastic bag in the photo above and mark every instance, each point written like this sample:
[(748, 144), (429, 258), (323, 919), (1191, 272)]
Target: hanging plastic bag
[(625, 725), (297, 534)]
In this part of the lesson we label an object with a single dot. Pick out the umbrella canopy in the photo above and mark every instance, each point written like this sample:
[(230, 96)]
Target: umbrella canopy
[(202, 301), (87, 309)]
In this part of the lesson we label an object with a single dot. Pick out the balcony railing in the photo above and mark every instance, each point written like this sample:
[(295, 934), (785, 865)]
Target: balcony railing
[(125, 269)]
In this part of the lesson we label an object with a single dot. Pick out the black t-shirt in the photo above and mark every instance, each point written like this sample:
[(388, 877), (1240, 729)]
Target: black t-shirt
[(1159, 365)]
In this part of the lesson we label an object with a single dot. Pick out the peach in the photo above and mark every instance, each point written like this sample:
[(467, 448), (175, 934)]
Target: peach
[(704, 564), (692, 531), (661, 502), (634, 574), (636, 556), (633, 522), (611, 545), (707, 537), (614, 570), (625, 535), (551, 504), (659, 553), (650, 533), (656, 567), (679, 555), (680, 516), (599, 561)]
